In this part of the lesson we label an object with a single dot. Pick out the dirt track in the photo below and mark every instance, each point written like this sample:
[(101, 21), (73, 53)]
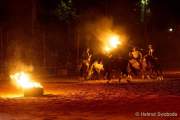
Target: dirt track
[(91, 101)]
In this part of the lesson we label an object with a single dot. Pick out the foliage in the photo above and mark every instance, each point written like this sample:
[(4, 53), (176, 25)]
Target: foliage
[(65, 10)]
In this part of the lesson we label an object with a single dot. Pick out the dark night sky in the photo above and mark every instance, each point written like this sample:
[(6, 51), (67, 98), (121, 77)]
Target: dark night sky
[(168, 10), (16, 16)]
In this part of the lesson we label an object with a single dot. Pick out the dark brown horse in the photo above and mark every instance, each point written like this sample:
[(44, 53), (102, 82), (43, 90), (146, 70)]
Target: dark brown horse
[(151, 67), (115, 68)]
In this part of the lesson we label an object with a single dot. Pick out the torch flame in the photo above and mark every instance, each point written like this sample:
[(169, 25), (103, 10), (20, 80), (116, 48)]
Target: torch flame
[(107, 49), (114, 41), (23, 80)]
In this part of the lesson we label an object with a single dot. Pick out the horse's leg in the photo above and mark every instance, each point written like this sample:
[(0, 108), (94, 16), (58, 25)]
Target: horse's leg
[(149, 71), (143, 76), (129, 76), (162, 76), (89, 74), (120, 77), (157, 73), (160, 73), (105, 75), (108, 76), (143, 72), (96, 75), (129, 72), (81, 73)]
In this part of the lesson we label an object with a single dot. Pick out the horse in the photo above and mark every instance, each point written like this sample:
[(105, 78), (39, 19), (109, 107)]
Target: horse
[(152, 68), (115, 68), (95, 70), (134, 68)]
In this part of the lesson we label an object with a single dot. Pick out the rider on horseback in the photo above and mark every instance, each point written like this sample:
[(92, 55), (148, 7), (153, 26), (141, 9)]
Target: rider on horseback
[(153, 63), (150, 50), (96, 69), (134, 64), (150, 55), (87, 55), (85, 63)]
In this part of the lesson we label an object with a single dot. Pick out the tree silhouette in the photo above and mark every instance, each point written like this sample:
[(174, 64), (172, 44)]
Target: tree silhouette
[(65, 11)]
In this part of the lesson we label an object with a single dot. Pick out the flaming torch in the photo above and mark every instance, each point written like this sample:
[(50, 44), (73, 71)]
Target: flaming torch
[(29, 87), (112, 42)]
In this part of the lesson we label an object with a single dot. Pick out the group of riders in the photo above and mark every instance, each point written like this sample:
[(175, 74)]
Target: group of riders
[(140, 62)]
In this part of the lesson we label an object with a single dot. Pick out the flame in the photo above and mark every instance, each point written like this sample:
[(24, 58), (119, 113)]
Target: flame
[(107, 49), (111, 42), (23, 80), (114, 41)]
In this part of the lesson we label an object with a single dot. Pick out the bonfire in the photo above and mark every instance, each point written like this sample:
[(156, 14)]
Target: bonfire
[(29, 87)]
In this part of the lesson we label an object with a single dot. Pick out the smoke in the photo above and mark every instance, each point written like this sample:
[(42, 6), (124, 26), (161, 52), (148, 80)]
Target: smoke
[(20, 66), (99, 27), (95, 32), (19, 56)]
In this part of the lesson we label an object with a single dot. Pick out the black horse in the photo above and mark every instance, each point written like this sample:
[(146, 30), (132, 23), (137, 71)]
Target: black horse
[(151, 66), (115, 68)]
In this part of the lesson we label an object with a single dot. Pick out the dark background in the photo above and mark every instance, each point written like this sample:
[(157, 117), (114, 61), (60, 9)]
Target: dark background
[(32, 34)]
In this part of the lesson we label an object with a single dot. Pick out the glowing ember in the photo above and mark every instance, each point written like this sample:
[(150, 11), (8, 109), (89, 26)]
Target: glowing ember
[(23, 80)]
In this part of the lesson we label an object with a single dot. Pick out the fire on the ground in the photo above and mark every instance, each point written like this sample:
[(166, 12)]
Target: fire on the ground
[(30, 87)]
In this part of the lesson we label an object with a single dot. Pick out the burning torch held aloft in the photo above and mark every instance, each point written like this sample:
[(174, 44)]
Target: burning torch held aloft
[(112, 42)]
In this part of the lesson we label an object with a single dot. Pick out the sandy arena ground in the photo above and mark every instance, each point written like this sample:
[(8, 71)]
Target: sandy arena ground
[(93, 100)]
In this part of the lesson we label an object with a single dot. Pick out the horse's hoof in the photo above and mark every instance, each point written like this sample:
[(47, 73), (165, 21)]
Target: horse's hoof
[(159, 78)]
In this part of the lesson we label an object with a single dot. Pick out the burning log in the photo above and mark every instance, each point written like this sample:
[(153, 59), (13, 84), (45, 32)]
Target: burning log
[(33, 92), (30, 88)]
